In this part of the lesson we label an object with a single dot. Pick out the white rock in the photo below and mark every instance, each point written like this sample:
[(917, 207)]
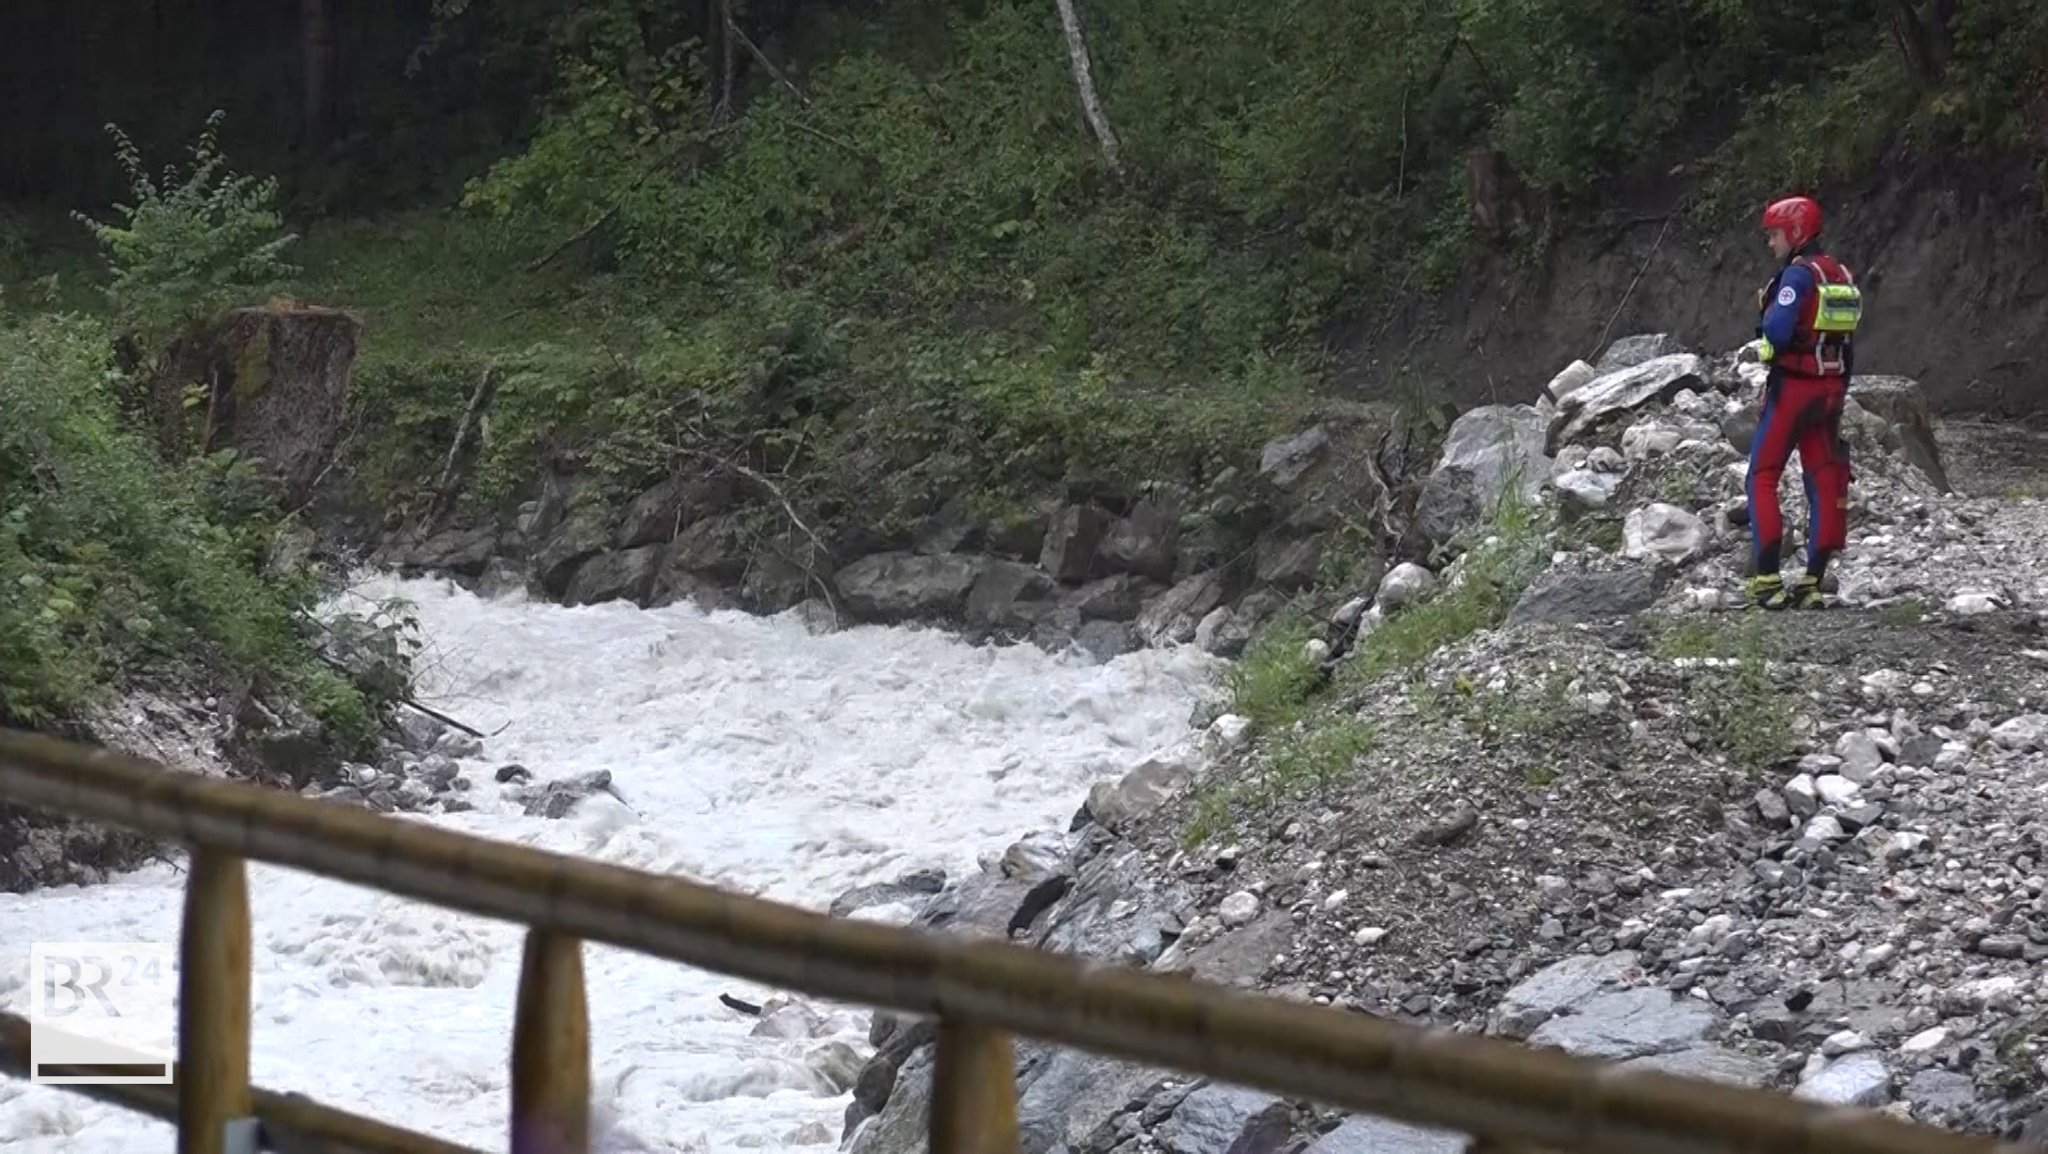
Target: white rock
[(1843, 1042), (1404, 585), (2026, 732), (1351, 610), (1335, 899), (1586, 489), (1801, 795), (1227, 734), (1925, 1041), (1606, 460), (1642, 441), (1858, 1079), (1238, 908), (1837, 790), (1664, 531), (1314, 650), (1825, 828), (1575, 376), (1973, 603), (1369, 935)]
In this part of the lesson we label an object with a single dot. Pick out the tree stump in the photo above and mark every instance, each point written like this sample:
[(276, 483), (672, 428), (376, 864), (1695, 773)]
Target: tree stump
[(271, 381)]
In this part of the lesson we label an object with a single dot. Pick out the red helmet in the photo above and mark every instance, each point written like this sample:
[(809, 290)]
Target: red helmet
[(1799, 216)]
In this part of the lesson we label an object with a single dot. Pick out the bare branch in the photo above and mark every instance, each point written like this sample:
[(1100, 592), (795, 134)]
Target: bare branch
[(1084, 84)]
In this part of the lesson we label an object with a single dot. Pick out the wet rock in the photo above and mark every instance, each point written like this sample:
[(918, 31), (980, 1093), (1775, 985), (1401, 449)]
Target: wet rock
[(716, 548), (658, 514), (1568, 597), (912, 886), (903, 586), (1001, 590), (1073, 543), (1172, 617), (1144, 543), (555, 799), (464, 551), (1142, 791), (791, 1020), (1107, 640), (836, 1064), (627, 576), (1118, 597), (584, 532)]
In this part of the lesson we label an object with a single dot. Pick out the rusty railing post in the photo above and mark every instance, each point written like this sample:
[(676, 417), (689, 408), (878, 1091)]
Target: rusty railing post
[(551, 1050), (213, 1002), (974, 1091)]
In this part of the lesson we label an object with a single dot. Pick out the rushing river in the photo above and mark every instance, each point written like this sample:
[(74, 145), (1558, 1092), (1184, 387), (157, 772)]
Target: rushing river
[(750, 754)]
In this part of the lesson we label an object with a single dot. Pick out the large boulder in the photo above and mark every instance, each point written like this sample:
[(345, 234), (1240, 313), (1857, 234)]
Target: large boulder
[(661, 512), (1488, 449), (1628, 352), (1902, 403), (1073, 543), (1172, 617), (1587, 408), (625, 575), (903, 586), (1145, 543), (1665, 532)]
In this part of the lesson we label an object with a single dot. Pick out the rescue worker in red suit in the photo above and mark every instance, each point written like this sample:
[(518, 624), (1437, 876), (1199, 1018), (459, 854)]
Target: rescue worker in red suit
[(1808, 319)]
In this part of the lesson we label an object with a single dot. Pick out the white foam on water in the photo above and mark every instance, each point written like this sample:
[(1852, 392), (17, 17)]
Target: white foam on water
[(752, 754)]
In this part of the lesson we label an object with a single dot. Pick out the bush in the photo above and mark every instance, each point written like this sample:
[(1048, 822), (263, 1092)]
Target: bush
[(114, 566), (188, 248)]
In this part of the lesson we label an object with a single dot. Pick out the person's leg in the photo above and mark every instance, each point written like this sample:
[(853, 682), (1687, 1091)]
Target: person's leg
[(1768, 452), (1824, 457)]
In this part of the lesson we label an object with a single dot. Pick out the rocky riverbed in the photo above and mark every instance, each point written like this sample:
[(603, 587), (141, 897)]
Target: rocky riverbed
[(1635, 820)]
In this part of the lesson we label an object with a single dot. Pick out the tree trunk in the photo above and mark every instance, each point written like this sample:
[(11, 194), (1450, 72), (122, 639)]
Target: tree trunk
[(1924, 40), (1084, 84), (728, 64), (316, 41)]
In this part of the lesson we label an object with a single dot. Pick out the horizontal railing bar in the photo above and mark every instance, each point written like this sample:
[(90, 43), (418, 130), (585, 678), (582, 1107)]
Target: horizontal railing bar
[(1486, 1087), (292, 1123)]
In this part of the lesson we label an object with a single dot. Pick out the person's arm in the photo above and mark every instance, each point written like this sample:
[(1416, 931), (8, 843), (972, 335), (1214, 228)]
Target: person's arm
[(1781, 319)]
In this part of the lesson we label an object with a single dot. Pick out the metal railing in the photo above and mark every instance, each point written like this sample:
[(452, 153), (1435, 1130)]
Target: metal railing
[(1511, 1098)]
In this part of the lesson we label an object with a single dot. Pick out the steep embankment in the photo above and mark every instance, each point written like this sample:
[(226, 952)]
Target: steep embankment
[(1566, 790), (1953, 256)]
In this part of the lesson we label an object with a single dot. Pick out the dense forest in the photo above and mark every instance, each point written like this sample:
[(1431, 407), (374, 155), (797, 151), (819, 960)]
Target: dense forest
[(885, 249)]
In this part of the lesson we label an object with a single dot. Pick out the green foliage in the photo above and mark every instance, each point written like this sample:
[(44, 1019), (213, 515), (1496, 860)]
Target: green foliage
[(1741, 705), (1497, 570), (1271, 684), (112, 565), (189, 247)]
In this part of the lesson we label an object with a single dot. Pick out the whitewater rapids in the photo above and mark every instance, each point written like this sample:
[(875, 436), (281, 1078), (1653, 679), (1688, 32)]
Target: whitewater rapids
[(753, 755)]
